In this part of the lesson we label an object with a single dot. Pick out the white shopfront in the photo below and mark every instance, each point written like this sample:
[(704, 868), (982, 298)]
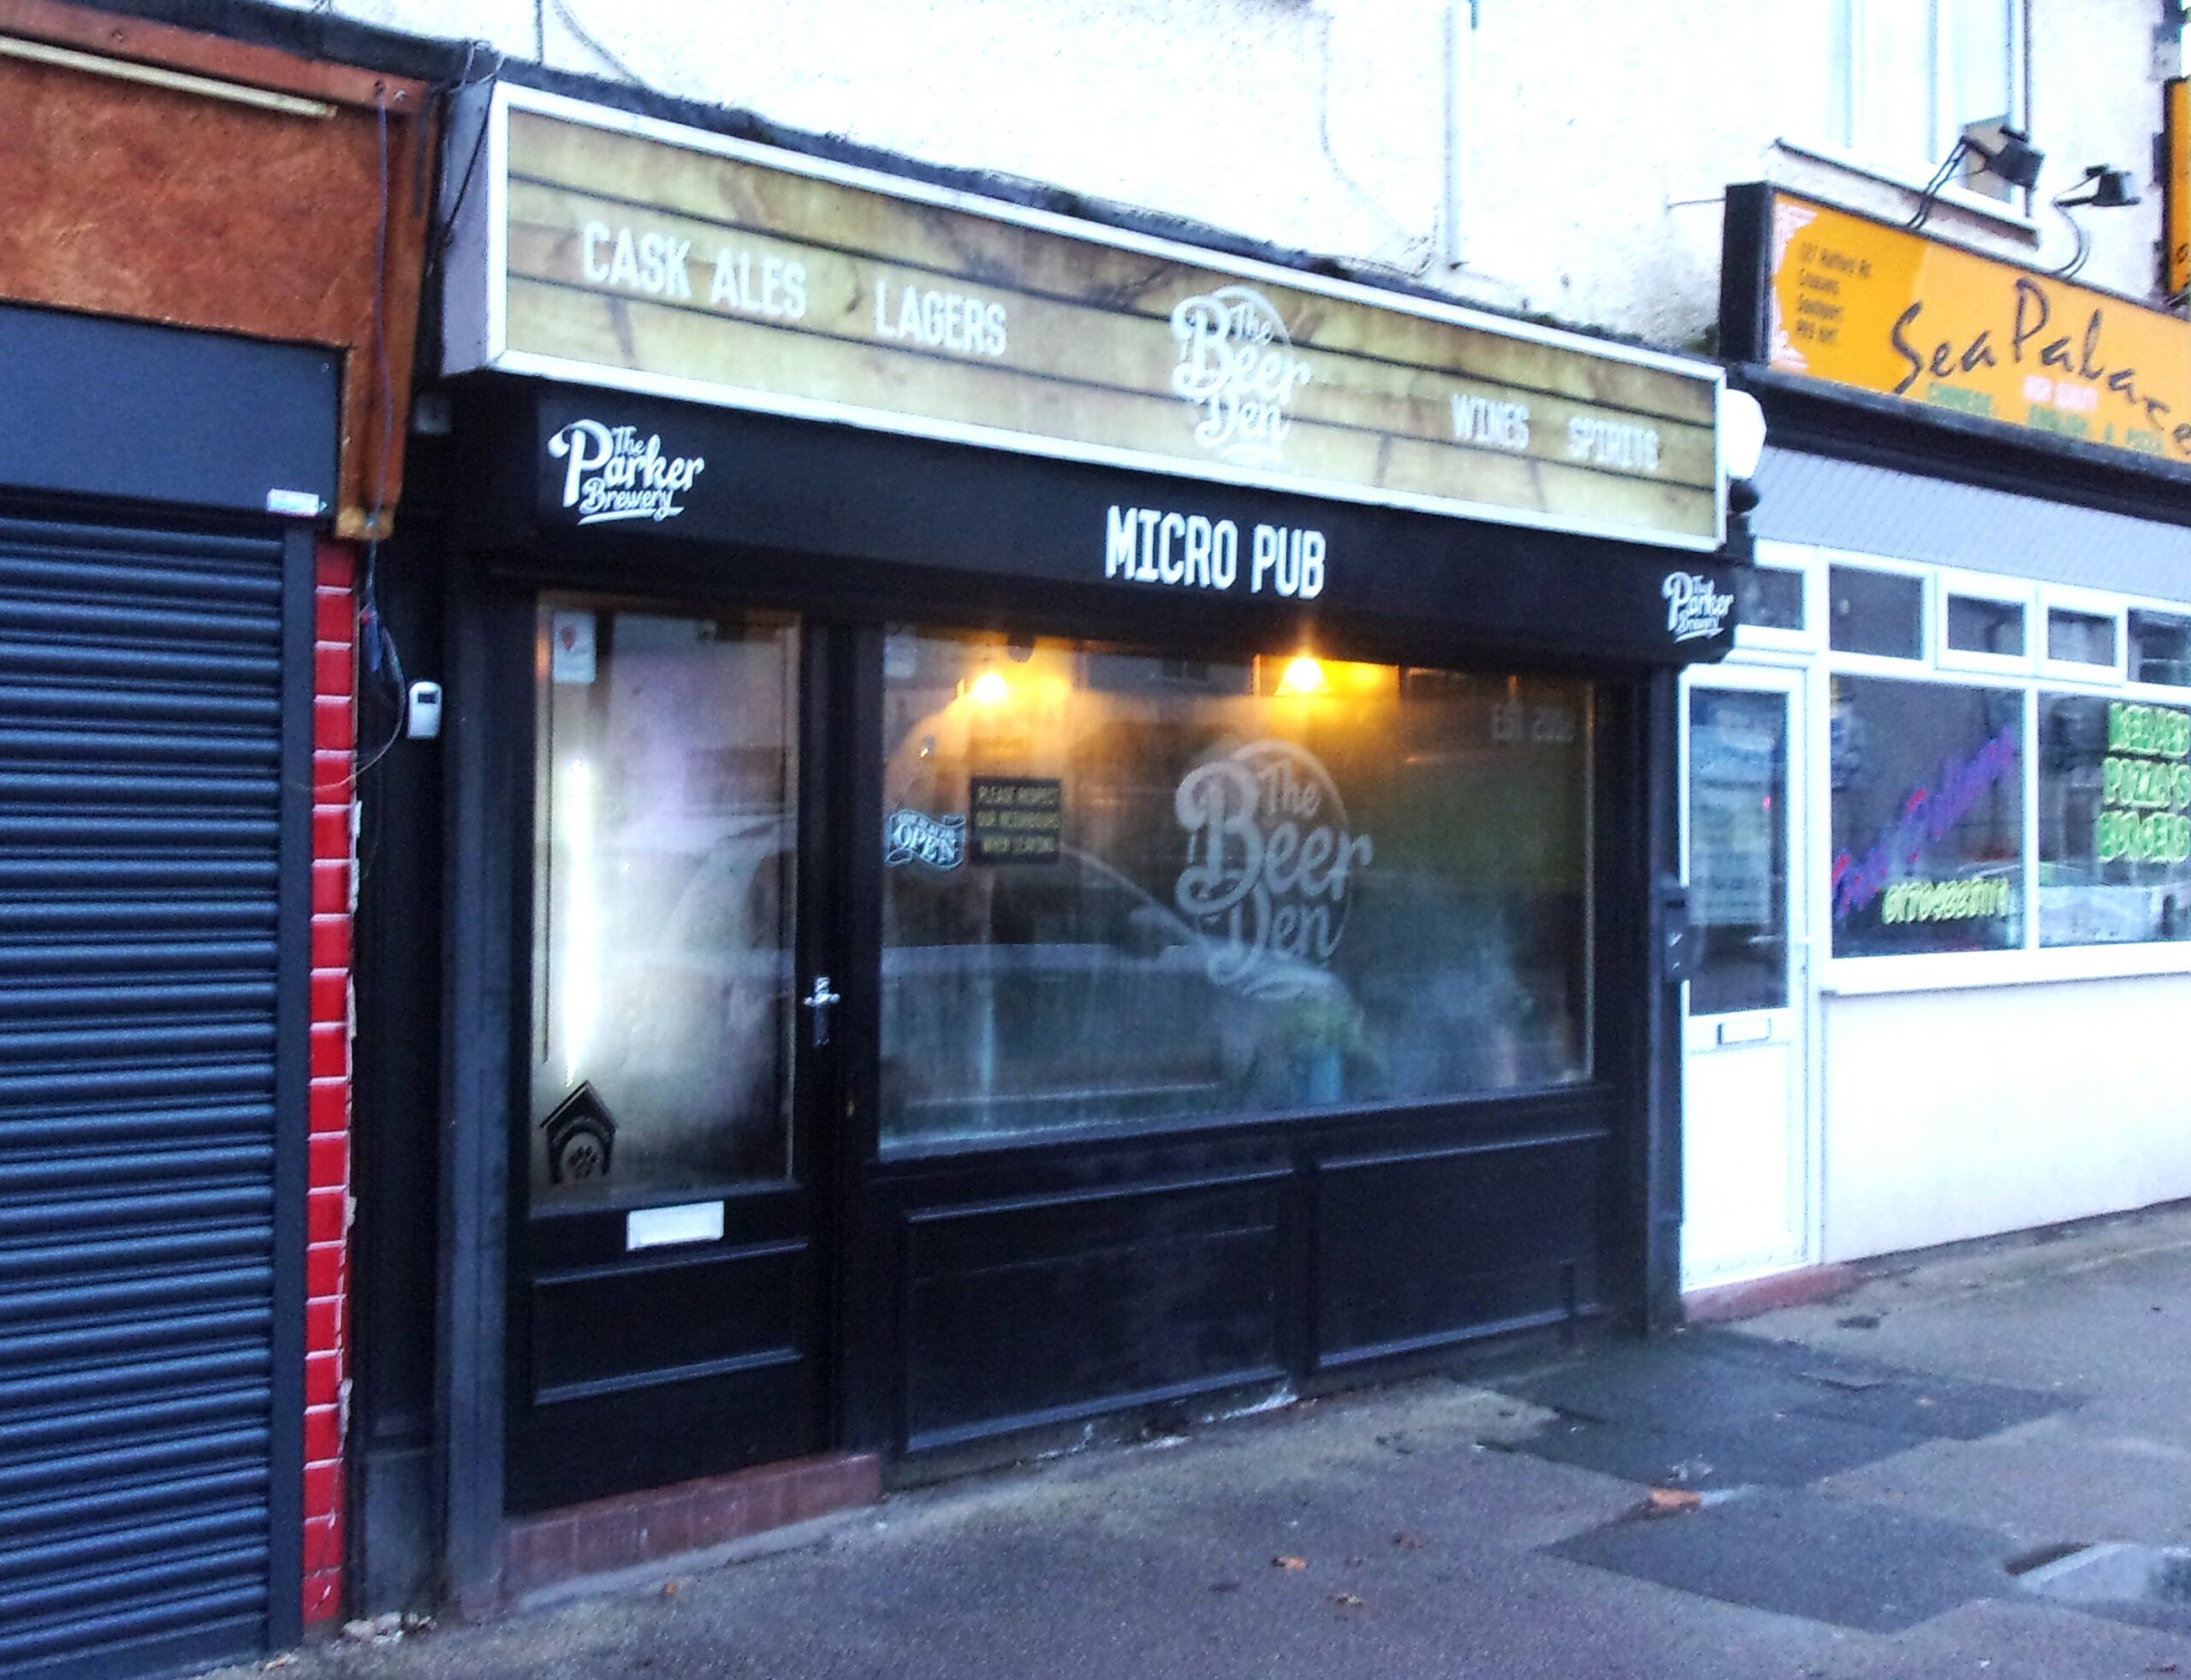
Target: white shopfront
[(1937, 830)]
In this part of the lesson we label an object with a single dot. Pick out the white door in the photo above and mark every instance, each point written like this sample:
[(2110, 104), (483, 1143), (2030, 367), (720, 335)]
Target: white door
[(1745, 1122)]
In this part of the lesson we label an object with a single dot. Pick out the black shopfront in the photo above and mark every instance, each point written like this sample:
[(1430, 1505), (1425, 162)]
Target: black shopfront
[(946, 944)]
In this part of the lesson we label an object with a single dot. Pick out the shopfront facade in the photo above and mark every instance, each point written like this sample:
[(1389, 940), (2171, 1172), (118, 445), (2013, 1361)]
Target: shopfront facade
[(1043, 824), (1935, 802)]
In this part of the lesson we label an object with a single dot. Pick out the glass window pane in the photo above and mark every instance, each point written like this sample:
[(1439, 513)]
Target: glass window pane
[(2114, 821), (664, 817), (2160, 649), (1928, 816), (1977, 625), (2084, 639), (1877, 612), (1894, 118), (1123, 889), (1737, 850), (1768, 598), (1977, 69)]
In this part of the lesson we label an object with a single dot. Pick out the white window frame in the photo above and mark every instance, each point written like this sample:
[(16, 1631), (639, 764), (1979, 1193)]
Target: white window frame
[(2091, 604), (2030, 963), (1881, 664), (2001, 591), (1858, 155), (1802, 559)]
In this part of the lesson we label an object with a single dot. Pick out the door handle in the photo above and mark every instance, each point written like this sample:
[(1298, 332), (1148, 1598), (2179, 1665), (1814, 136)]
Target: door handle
[(821, 1000)]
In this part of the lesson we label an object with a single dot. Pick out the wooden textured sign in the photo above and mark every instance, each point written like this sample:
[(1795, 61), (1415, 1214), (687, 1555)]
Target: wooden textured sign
[(619, 251), (1883, 310)]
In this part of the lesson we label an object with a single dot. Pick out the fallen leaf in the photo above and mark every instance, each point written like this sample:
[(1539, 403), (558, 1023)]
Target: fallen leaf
[(1409, 1539), (1347, 1601), (1288, 1563), (1667, 1499), (669, 1589)]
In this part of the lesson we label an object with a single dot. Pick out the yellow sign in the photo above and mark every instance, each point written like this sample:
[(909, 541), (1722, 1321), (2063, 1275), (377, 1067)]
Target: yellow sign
[(617, 250), (2176, 188), (1862, 304)]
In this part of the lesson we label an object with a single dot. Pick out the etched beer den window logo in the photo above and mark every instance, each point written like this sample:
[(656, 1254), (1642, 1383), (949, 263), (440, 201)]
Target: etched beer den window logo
[(1237, 366), (1270, 858)]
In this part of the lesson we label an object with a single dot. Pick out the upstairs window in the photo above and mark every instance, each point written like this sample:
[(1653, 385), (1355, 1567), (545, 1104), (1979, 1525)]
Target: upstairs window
[(1906, 77)]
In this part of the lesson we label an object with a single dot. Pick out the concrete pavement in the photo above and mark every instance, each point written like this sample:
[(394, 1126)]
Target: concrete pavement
[(1897, 1483)]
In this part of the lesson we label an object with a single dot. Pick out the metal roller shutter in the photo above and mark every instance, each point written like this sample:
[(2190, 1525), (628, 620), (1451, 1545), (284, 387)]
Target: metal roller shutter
[(143, 1391)]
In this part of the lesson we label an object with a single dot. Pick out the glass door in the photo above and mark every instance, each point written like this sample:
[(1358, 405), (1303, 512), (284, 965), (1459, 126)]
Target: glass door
[(1745, 1129), (667, 1296)]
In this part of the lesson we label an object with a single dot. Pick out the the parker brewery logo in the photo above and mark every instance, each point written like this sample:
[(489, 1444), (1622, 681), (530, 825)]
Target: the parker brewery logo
[(1237, 367), (915, 837), (1271, 862), (1694, 610), (616, 474)]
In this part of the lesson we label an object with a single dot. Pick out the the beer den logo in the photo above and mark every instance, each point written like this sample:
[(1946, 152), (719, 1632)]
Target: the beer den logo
[(1237, 366), (616, 474)]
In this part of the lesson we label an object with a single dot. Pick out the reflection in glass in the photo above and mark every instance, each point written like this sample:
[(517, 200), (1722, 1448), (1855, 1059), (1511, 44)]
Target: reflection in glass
[(2081, 638), (1928, 816), (1979, 624), (1879, 613), (1768, 598), (2114, 821), (1737, 850), (1124, 889), (2160, 648), (662, 898)]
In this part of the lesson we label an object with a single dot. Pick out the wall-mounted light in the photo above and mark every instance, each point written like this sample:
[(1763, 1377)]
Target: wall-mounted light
[(1303, 675), (2102, 188), (990, 689), (1995, 149)]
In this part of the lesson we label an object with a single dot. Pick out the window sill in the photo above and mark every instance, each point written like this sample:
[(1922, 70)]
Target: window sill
[(1962, 970), (2002, 216)]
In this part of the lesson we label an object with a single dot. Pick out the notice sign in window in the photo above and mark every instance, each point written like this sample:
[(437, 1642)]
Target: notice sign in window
[(1015, 819)]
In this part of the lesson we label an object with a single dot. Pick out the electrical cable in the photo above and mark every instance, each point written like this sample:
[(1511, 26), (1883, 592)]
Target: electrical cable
[(587, 40)]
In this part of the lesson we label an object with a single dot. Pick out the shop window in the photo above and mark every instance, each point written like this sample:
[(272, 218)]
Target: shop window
[(2080, 638), (2114, 821), (2160, 649), (1769, 598), (1927, 815), (1880, 613), (1116, 898), (664, 811), (1977, 624), (1903, 80)]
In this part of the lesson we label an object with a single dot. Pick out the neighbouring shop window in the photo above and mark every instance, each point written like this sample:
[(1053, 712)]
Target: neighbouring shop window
[(1880, 613), (665, 804), (1769, 598), (2160, 649), (1737, 850), (2081, 638), (1122, 889), (1927, 816), (1979, 624), (2114, 821)]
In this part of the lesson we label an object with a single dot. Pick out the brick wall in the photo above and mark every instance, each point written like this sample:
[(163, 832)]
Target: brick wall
[(327, 1214)]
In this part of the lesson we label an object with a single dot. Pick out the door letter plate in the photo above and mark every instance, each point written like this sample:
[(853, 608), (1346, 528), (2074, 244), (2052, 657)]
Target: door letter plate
[(688, 1222)]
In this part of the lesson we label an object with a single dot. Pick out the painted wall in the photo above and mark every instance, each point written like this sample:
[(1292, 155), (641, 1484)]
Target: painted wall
[(1594, 142), (1961, 1113)]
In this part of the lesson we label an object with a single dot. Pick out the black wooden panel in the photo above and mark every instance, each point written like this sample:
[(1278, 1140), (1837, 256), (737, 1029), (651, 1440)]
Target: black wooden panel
[(1035, 1310), (1418, 1248), (122, 408), (604, 1329)]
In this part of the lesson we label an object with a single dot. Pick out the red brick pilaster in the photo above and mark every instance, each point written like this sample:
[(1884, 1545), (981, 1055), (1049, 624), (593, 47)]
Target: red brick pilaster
[(327, 1222)]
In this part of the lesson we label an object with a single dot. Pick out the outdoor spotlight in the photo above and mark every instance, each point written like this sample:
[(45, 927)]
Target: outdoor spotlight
[(2105, 189), (2003, 153)]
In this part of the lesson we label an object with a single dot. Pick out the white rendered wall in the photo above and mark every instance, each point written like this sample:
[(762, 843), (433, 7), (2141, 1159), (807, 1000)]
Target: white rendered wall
[(1595, 138), (1961, 1113)]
